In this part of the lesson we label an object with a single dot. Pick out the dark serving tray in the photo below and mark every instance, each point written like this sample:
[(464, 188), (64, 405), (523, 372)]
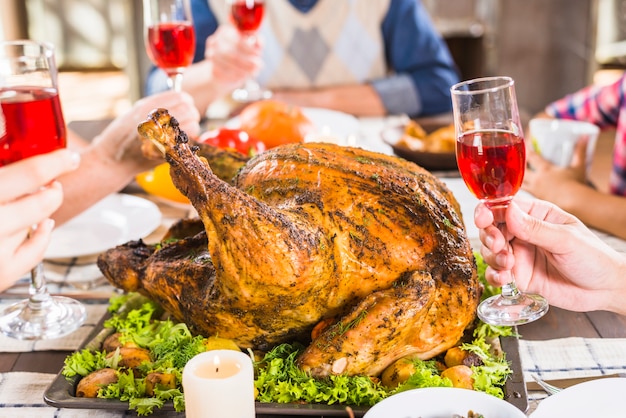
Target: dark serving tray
[(61, 392)]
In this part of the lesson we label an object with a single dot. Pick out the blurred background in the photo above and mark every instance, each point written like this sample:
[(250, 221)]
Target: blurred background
[(550, 47)]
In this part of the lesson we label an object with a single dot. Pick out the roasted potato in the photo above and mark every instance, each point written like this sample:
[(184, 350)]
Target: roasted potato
[(131, 357), (461, 376), (398, 372), (456, 356), (112, 342), (219, 343), (89, 385), (158, 379)]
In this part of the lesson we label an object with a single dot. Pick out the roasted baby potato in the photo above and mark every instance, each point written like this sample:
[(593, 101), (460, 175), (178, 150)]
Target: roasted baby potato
[(89, 385), (456, 356), (158, 379), (397, 373), (219, 343), (461, 376), (131, 357)]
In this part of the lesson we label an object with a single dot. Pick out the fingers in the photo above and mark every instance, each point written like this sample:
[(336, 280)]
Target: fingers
[(542, 224), (579, 157), (27, 176), (30, 209), (17, 257)]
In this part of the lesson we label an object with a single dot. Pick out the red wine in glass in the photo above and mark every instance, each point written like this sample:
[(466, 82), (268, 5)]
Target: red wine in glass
[(491, 157), (171, 46), (33, 123), (492, 164), (247, 15), (170, 37)]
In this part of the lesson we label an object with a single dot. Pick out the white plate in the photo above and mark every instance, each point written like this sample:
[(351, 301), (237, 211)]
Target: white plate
[(331, 125), (596, 398), (115, 220), (443, 403)]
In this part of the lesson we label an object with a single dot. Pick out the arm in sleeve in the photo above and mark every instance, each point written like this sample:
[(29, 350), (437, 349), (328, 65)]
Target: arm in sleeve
[(599, 105), (423, 69)]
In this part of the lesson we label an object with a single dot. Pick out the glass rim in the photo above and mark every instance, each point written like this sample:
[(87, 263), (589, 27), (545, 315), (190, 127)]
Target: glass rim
[(46, 47), (507, 81)]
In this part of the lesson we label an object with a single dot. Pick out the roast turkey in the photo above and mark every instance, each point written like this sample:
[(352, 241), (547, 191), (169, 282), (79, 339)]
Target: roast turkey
[(370, 244)]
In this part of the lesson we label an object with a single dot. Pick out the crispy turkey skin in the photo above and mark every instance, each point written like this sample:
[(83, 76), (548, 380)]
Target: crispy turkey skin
[(307, 232)]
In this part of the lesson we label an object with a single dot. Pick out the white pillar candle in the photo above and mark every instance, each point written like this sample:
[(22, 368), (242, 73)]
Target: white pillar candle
[(219, 384)]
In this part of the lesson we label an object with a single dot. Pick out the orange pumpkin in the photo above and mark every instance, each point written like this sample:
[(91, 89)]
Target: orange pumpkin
[(275, 123)]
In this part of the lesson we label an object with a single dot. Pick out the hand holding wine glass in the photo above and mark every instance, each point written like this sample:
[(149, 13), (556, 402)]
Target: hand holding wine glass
[(491, 156), (247, 16), (170, 37), (31, 123)]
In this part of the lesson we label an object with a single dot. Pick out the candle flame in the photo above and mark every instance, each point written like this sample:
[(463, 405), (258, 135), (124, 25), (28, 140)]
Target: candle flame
[(216, 363)]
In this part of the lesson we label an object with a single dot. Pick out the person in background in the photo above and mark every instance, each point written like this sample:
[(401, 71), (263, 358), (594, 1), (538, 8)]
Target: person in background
[(49, 189), (568, 188), (365, 57), (554, 254)]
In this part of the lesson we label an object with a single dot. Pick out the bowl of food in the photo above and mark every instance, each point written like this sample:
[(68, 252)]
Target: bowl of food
[(432, 146), (443, 402)]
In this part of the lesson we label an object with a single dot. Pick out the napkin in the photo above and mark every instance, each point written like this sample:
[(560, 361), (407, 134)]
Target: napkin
[(21, 395), (572, 357), (70, 342)]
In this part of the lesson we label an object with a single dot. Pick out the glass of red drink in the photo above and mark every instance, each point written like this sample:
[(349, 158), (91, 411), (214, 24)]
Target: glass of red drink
[(170, 37), (247, 16), (33, 124), (491, 157)]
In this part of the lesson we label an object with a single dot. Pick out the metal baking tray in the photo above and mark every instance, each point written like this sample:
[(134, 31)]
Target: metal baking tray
[(61, 392)]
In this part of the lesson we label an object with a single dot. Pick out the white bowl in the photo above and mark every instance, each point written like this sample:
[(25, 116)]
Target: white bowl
[(442, 403)]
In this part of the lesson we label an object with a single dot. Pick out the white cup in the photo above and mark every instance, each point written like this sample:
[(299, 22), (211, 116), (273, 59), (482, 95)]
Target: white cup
[(555, 139)]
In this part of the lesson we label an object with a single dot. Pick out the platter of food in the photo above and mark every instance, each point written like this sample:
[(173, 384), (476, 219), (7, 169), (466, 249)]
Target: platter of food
[(62, 393), (317, 267), (431, 146)]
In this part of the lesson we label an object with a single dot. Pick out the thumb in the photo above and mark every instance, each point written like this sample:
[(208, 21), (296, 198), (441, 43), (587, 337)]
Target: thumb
[(579, 158), (548, 235)]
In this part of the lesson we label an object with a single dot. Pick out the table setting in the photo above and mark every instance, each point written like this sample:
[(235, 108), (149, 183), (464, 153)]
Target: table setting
[(133, 214)]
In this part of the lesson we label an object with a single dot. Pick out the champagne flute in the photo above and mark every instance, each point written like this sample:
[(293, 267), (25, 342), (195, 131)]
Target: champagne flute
[(491, 156), (33, 125), (247, 16), (170, 37)]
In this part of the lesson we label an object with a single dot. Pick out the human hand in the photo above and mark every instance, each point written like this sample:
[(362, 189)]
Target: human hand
[(233, 57), (28, 196), (119, 143), (548, 181), (553, 254)]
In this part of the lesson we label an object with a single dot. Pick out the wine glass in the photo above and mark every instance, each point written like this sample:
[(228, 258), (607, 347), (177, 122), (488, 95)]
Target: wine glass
[(33, 124), (491, 156), (247, 16), (170, 37)]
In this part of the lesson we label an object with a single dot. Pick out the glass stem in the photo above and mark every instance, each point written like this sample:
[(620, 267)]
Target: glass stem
[(509, 290), (175, 82), (38, 290)]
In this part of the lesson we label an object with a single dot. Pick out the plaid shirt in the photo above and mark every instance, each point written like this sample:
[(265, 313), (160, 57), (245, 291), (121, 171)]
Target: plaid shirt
[(606, 107)]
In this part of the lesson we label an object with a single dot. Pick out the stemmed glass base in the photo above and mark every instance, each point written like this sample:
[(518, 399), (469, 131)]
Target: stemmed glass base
[(510, 311), (42, 316), (53, 317)]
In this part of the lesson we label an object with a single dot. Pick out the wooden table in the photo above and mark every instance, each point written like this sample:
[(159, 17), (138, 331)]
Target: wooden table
[(558, 323)]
